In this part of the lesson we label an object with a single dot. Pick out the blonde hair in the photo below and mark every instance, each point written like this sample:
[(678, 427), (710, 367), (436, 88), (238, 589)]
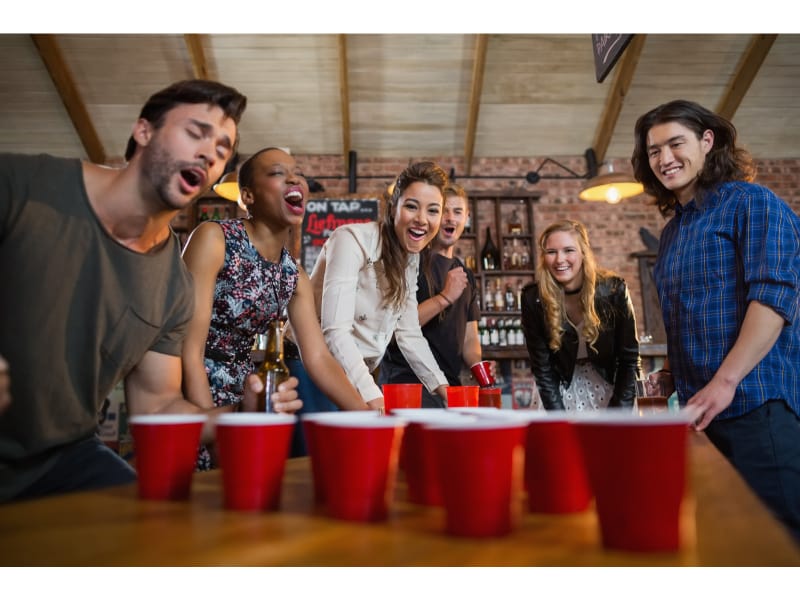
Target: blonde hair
[(552, 294)]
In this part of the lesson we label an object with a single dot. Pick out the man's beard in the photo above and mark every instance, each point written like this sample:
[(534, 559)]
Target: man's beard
[(159, 168)]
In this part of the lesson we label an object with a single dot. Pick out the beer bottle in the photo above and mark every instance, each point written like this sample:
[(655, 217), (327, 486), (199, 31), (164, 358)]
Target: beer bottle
[(273, 371)]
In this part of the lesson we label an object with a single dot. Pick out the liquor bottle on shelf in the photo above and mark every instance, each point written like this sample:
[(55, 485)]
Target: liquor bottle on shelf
[(484, 331), (519, 294), (490, 255), (524, 257), (510, 300), (514, 223), (502, 333), (499, 300), (216, 216), (273, 371), (203, 214), (515, 256), (494, 335), (488, 298)]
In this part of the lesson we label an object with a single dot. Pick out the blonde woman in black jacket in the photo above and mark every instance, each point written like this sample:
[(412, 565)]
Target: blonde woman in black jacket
[(579, 326)]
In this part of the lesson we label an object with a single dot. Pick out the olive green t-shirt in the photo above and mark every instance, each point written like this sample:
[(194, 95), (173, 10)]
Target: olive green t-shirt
[(77, 311)]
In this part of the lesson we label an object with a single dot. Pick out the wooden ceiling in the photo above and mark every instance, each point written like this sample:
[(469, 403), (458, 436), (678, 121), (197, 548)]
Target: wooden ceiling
[(400, 95)]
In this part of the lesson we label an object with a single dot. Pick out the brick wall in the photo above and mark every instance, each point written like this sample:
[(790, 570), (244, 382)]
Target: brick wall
[(613, 229)]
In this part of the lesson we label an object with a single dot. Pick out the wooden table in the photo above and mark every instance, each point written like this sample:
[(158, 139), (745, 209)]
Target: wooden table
[(723, 524)]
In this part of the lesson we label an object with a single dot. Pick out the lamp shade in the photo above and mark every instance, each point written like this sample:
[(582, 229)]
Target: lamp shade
[(610, 187), (228, 187)]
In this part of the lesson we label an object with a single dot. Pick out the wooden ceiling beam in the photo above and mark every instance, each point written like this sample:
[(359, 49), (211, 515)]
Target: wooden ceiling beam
[(623, 76), (59, 72), (194, 43), (344, 98), (745, 73), (476, 89)]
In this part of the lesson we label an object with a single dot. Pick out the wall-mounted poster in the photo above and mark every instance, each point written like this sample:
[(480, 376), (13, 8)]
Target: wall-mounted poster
[(323, 216)]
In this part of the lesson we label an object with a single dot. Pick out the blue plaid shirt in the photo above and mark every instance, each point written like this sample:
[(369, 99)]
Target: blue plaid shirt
[(742, 243)]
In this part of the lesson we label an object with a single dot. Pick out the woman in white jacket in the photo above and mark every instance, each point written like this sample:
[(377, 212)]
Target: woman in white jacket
[(365, 283)]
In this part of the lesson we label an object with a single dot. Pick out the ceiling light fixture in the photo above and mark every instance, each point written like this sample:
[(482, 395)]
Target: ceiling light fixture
[(609, 186), (228, 187)]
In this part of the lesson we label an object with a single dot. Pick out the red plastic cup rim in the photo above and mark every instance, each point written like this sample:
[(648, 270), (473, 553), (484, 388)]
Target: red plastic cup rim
[(361, 423), (477, 424), (628, 417), (342, 416), (251, 419), (162, 419), (425, 415)]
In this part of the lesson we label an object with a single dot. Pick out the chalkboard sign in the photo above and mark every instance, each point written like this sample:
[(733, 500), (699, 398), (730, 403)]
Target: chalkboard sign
[(325, 215), (607, 48)]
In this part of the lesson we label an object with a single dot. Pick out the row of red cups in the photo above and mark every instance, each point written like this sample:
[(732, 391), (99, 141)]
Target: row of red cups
[(475, 461), (472, 461)]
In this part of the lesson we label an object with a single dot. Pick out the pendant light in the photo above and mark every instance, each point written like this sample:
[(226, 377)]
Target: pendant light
[(610, 186)]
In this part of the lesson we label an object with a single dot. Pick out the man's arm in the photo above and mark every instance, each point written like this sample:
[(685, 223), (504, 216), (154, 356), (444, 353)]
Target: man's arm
[(759, 332), (453, 288), (154, 386), (472, 344)]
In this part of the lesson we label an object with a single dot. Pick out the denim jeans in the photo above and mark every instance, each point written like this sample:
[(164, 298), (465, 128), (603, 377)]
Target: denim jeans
[(764, 447)]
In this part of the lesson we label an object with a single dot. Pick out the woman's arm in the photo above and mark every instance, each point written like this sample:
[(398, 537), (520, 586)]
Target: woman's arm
[(204, 256), (338, 267), (626, 349), (536, 340), (322, 367)]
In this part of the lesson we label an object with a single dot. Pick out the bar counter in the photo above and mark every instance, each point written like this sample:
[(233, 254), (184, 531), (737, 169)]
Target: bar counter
[(722, 524)]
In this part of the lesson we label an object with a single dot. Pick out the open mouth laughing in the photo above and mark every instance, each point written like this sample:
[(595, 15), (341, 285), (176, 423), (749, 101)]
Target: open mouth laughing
[(295, 200)]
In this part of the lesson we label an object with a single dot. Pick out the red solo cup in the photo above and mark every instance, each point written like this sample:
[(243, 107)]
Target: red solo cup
[(309, 421), (637, 469), (253, 448), (480, 466), (462, 395), (358, 465), (165, 447), (482, 371), (401, 395), (490, 397), (555, 474), (416, 454)]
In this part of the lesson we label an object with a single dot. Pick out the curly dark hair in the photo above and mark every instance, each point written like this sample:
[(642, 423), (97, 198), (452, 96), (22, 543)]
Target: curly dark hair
[(191, 91), (724, 162)]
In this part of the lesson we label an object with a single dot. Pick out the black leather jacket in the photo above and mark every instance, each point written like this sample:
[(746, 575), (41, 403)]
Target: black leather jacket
[(616, 356)]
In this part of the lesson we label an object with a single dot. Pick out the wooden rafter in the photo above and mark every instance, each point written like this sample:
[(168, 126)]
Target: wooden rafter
[(344, 98), (623, 76), (53, 60), (194, 44), (745, 73), (478, 66)]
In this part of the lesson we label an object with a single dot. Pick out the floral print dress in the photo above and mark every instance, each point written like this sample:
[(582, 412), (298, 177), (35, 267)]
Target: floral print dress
[(249, 293)]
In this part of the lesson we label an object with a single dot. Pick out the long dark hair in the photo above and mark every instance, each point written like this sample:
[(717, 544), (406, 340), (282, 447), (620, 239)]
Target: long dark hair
[(394, 258), (724, 162), (191, 91)]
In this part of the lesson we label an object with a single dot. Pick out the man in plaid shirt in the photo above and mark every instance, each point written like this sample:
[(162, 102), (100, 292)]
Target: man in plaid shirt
[(728, 279)]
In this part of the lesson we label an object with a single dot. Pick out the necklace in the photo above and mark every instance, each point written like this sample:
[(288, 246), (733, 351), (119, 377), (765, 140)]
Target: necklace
[(573, 292)]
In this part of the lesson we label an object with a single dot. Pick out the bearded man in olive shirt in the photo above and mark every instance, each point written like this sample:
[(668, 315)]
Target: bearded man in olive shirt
[(95, 291)]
